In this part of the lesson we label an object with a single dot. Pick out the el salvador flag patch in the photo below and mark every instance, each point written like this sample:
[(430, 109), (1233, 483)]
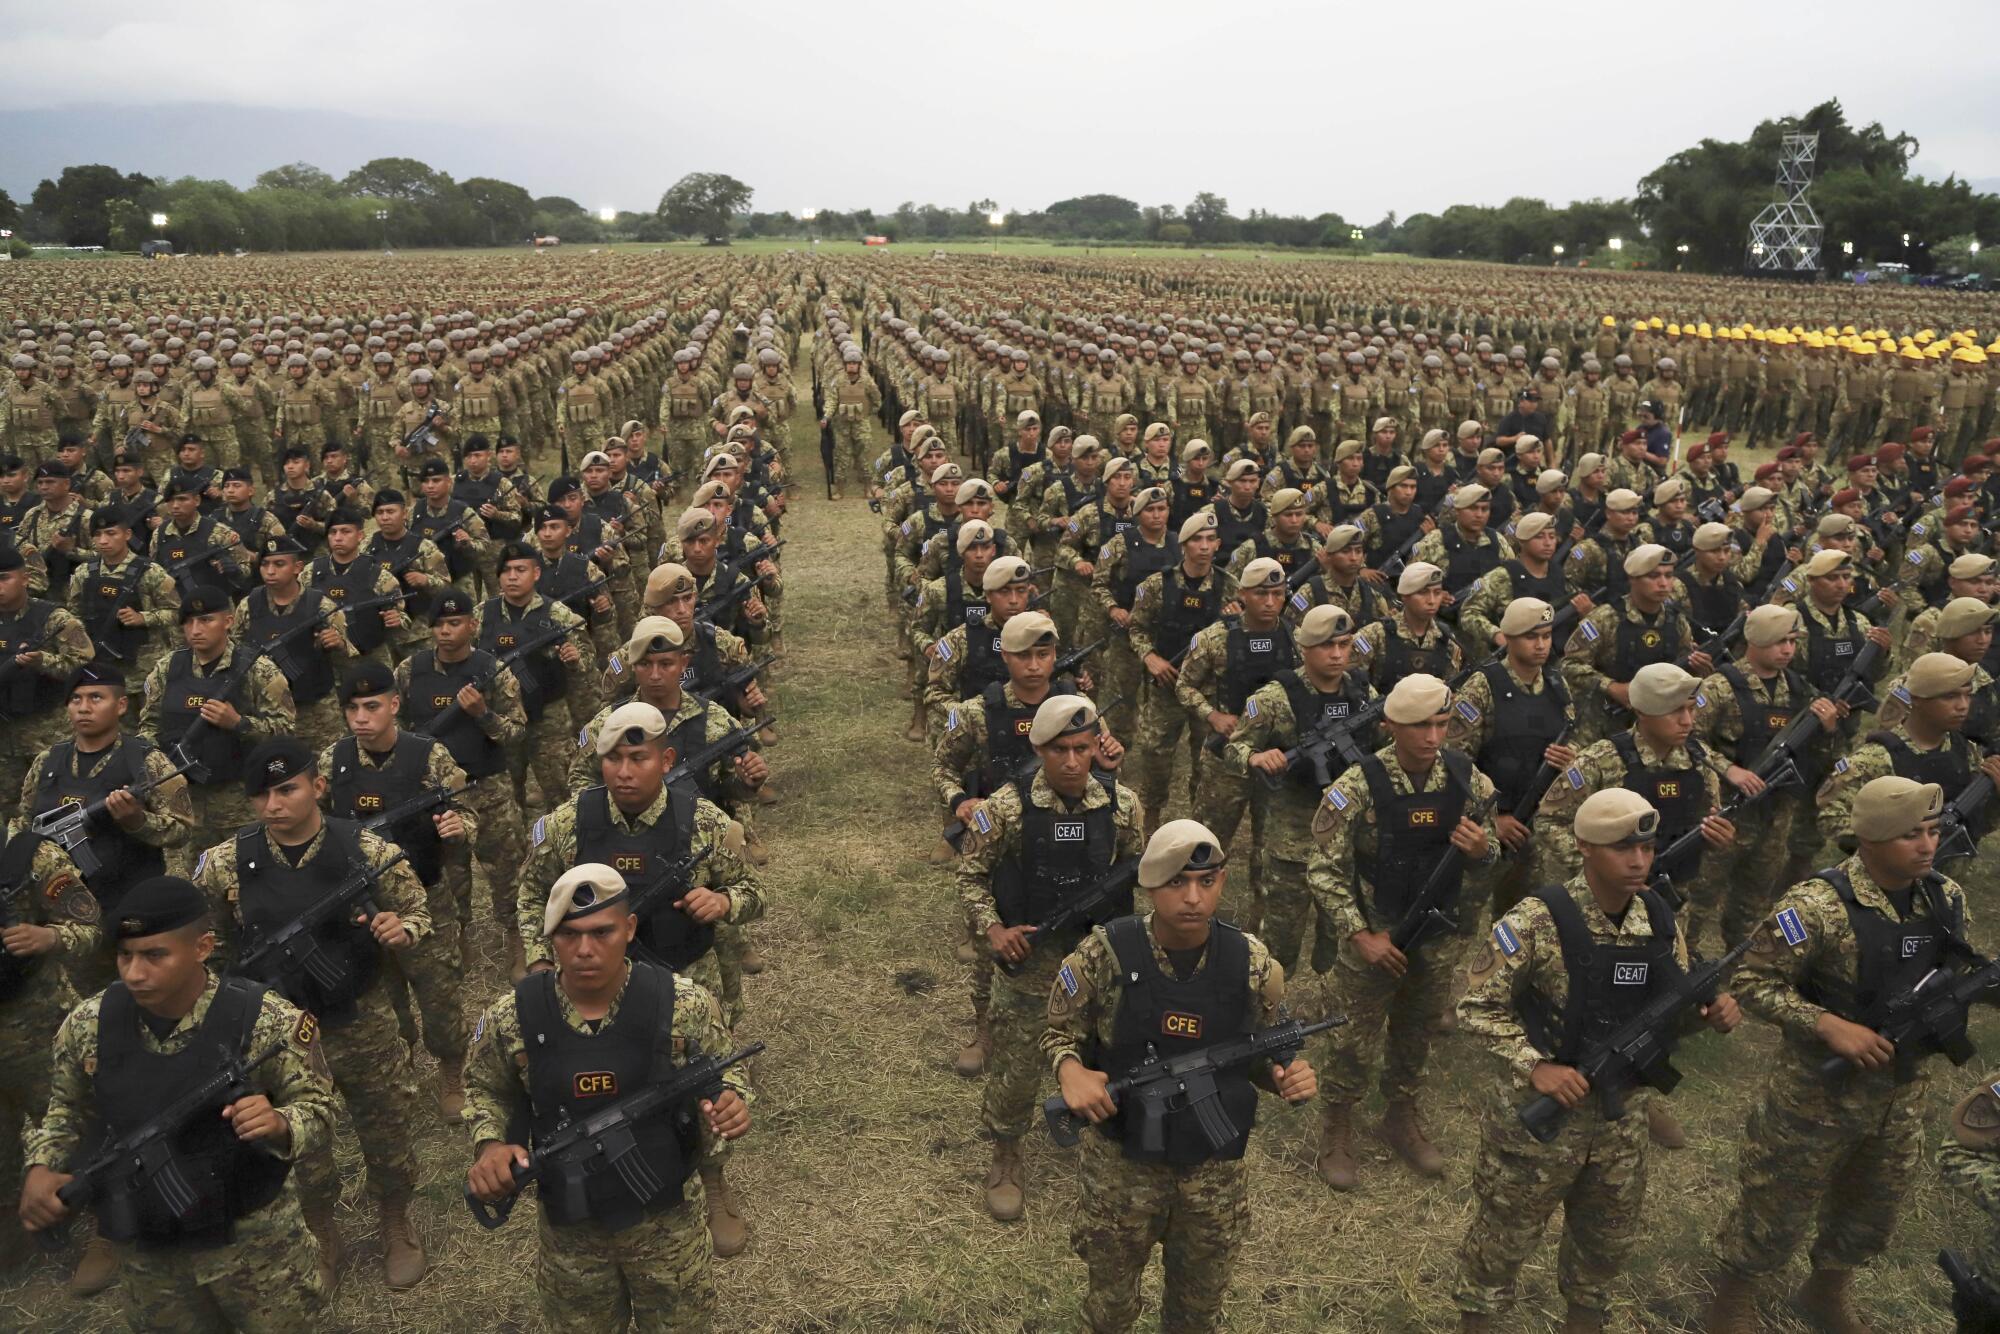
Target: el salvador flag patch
[(1336, 799), (540, 833), (1361, 643), (1590, 632), (951, 720), (200, 862), (1916, 558), (1576, 553), (1468, 711), (1299, 600), (944, 650), (1504, 937), (1575, 776), (981, 821), (1250, 709), (1068, 979), (1794, 930)]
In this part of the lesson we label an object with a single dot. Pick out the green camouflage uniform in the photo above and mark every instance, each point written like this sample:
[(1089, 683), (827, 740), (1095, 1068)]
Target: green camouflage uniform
[(1162, 719), (1592, 653), (547, 739), (1969, 1160), (155, 597), (264, 699), (52, 895), (63, 646), (1870, 759), (320, 723)]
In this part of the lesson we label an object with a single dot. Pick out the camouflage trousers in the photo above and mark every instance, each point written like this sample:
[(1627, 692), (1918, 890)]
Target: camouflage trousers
[(25, 738), (654, 1276), (1197, 1216), (498, 844), (32, 1020), (1288, 906), (371, 1068), (1402, 1009), (1118, 684), (850, 452), (1843, 1158), (434, 967), (36, 447), (1221, 799), (267, 1283), (1595, 1169), (1163, 724), (550, 742), (1738, 885), (320, 723), (1067, 606), (1017, 1013), (685, 441)]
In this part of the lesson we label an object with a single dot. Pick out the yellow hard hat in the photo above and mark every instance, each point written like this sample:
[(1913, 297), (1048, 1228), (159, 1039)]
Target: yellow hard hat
[(1610, 322), (1912, 354), (1935, 351), (1638, 324), (1994, 347), (1847, 329), (1885, 346), (1705, 332), (1968, 354), (1797, 332), (1832, 332), (1653, 322), (1925, 335), (1674, 330)]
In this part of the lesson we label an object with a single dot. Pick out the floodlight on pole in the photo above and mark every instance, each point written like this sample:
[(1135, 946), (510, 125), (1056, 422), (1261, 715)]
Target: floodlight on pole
[(996, 220), (159, 219), (1616, 243), (1556, 250), (1974, 247), (1847, 247), (808, 214)]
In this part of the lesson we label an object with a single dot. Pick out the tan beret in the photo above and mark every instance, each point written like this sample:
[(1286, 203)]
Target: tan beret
[(1712, 537), (1301, 435), (1962, 616), (1648, 557), (580, 891), (1828, 561), (1936, 674), (1525, 442), (1283, 499), (912, 415), (1157, 431), (973, 532), (1524, 615), (668, 581), (1003, 571), (1972, 565), (1659, 688), (721, 461), (1384, 424), (1585, 466), (595, 457), (1670, 490), (1194, 449), (635, 716), (1259, 416), (1434, 436), (975, 488), (1060, 716), (1468, 495), (947, 472), (1340, 538), (1417, 698), (1533, 524), (1624, 498), (925, 440), (1197, 523), (1756, 498), (1615, 815), (1026, 630), (1549, 481), (1491, 457), (1834, 525), (1116, 465), (1240, 468), (1466, 430), (695, 523), (1028, 417), (1346, 449), (653, 634), (707, 492), (1085, 445), (1402, 472), (1262, 572), (1889, 807), (1177, 846), (1326, 621), (1150, 495), (1771, 624), (1417, 576)]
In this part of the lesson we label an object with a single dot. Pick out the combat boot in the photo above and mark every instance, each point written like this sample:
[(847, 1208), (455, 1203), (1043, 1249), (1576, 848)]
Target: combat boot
[(915, 731), (451, 1088), (1582, 1320), (750, 962), (1405, 1134), (974, 1055), (517, 956), (1004, 1197), (727, 1234), (1336, 1147), (754, 850), (320, 1222), (1826, 1302), (404, 1263), (1733, 1310), (97, 1270), (1663, 1127)]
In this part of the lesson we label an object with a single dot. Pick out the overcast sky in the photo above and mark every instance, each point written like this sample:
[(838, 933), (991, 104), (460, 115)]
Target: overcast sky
[(1276, 106)]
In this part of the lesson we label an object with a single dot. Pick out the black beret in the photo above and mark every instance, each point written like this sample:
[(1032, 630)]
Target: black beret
[(177, 486), (11, 463), (551, 514), (294, 452), (235, 474), (474, 442), (513, 551), (51, 468), (453, 602), (11, 558), (346, 516), (124, 461), (367, 678), (276, 760), (333, 447), (191, 438), (95, 673), (434, 467), (388, 495), (203, 599), (562, 486), (110, 516), (287, 545), (154, 905)]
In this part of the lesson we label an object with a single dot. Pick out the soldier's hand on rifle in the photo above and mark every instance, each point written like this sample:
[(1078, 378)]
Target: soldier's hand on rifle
[(965, 810), (728, 1116), (754, 699), (1747, 783), (1374, 576), (1716, 831), (253, 1117), (221, 713), (601, 604), (1222, 723), (32, 658), (568, 654), (450, 825), (416, 579), (1084, 1092), (1512, 832), (1269, 761), (1296, 1082), (492, 1176), (1879, 634), (1121, 617), (1009, 943), (1162, 671), (1584, 606), (388, 930), (1469, 837), (1854, 1042), (753, 608), (25, 940), (1700, 663), (126, 809), (1378, 951), (392, 617), (328, 638), (1828, 712), (1564, 1083), (40, 1207), (1110, 751), (130, 616), (704, 905), (752, 769), (1722, 1014)]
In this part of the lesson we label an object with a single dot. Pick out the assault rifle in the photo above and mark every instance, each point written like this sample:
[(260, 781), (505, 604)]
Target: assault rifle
[(1113, 889), (278, 648), (10, 666), (1185, 1082), (453, 711), (293, 944), (1318, 744), (673, 878), (1716, 645), (1073, 659), (1538, 787), (247, 656), (421, 437), (1639, 1050), (736, 592), (70, 825), (608, 1136), (423, 803), (1400, 557), (729, 684), (751, 556), (1929, 1017), (1426, 912), (1676, 854), (694, 764), (112, 1180), (1567, 615), (1974, 1300), (1956, 825)]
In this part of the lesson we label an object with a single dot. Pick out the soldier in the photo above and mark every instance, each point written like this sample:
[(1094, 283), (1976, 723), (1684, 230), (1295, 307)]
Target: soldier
[(1086, 541), (1624, 633), (1383, 829), (279, 618), (1191, 1199), (1967, 1161), (257, 879), (1531, 572), (969, 657), (211, 408), (41, 644), (624, 1258), (1539, 996), (1413, 640), (561, 683), (241, 1258), (125, 601), (195, 547), (55, 529), (1840, 948), (634, 818), (1168, 609), (850, 403), (1282, 539), (214, 701), (32, 405)]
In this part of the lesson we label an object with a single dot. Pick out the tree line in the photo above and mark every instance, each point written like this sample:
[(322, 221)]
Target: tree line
[(1691, 212)]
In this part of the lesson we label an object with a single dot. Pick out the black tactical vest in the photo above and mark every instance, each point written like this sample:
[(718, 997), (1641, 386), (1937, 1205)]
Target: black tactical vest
[(458, 557), (1762, 721), (1396, 657), (123, 860), (350, 586), (1521, 727), (1893, 956), (1651, 639), (983, 664), (1184, 609), (433, 687), (1609, 985), (220, 753), (1252, 658), (503, 628), (1679, 795), (1830, 655), (1312, 707), (96, 592), (272, 892), (303, 663), (1062, 853), (361, 792), (1412, 832), (24, 692), (671, 936)]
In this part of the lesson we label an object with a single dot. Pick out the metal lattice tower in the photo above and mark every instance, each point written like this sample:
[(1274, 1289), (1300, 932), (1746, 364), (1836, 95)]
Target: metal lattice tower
[(1785, 235)]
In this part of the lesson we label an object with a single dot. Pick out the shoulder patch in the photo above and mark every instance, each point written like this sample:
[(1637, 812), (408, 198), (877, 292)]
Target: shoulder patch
[(951, 717), (306, 1030), (1250, 708), (479, 1029), (1916, 558), (944, 650), (1300, 601), (614, 664), (200, 862), (1068, 979), (1700, 700), (1504, 937), (540, 833), (1794, 930), (1468, 711), (1336, 798), (1840, 765), (1575, 777), (1917, 530), (1589, 631), (1104, 552), (1361, 644), (583, 738), (982, 821), (1576, 553)]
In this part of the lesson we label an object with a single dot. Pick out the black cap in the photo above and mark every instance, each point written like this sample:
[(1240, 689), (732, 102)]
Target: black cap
[(11, 463), (388, 495), (177, 486), (476, 441), (95, 673), (11, 558), (346, 515), (203, 599), (51, 468), (332, 447), (276, 760), (551, 514), (434, 467), (155, 905), (191, 438), (235, 474), (1654, 406), (452, 602), (122, 460), (286, 545), (513, 551), (110, 516), (562, 486), (294, 452), (367, 678)]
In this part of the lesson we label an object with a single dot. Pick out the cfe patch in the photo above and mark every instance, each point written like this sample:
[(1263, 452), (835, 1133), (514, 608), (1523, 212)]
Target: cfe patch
[(1791, 927), (1174, 1024), (306, 1031), (594, 1084)]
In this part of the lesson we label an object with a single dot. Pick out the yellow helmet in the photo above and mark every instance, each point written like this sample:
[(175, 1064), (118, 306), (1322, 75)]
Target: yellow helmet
[(1832, 332), (1994, 347), (1847, 329), (1610, 322), (1653, 322), (1971, 355), (1674, 330), (1705, 332), (1638, 324), (1925, 335), (1885, 346), (1912, 354), (1797, 332), (1935, 351)]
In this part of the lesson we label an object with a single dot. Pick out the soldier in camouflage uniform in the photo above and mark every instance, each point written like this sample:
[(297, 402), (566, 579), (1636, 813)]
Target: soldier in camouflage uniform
[(44, 643), (1192, 1201), (1838, 947), (646, 1263), (1168, 609), (1969, 1161), (29, 428), (1536, 998), (1624, 633), (849, 403), (264, 1277)]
